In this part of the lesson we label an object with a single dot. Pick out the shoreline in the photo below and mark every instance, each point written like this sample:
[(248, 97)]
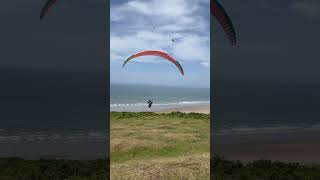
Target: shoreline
[(194, 108), (205, 109)]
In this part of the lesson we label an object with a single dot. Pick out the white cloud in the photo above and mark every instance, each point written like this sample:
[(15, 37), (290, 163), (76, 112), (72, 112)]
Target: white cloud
[(139, 25), (193, 48), (163, 8), (187, 47), (205, 64), (128, 44)]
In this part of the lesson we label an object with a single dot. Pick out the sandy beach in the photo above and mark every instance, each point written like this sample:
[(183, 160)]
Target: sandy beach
[(188, 109)]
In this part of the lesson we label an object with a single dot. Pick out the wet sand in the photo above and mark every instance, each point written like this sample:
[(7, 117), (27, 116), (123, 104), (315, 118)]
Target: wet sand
[(188, 109)]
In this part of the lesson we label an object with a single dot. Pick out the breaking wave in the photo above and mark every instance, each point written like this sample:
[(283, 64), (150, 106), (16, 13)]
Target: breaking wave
[(160, 104)]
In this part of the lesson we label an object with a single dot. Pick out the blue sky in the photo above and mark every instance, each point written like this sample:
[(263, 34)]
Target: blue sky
[(137, 25)]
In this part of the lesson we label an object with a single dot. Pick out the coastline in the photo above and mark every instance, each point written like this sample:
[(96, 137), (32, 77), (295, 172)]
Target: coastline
[(195, 108), (190, 109)]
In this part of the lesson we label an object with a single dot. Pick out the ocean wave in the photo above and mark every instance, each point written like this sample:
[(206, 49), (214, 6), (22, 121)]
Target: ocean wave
[(50, 137), (243, 130), (160, 104)]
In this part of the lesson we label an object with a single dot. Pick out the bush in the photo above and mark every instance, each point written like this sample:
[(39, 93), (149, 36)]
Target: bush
[(262, 169), (20, 169)]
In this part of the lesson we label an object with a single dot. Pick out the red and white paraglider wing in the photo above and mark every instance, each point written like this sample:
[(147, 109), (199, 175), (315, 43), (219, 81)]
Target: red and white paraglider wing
[(46, 7), (156, 53), (221, 15)]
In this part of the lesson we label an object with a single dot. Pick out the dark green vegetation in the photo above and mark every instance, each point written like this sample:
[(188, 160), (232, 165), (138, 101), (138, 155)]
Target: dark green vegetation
[(124, 115), (19, 169), (262, 170)]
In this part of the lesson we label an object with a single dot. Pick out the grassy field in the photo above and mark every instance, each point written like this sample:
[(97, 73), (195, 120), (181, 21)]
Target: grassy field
[(160, 146)]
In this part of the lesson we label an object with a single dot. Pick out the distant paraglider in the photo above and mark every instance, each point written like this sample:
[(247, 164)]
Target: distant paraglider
[(156, 53), (172, 38), (221, 15)]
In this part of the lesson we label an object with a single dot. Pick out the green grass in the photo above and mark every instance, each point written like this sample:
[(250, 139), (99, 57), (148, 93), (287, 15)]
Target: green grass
[(158, 142), (147, 135)]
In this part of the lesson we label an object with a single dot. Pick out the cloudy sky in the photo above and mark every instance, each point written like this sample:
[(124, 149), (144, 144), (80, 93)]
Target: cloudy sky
[(138, 25)]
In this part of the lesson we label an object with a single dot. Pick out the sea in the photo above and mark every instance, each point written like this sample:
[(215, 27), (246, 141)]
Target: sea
[(133, 98), (259, 111), (56, 111), (52, 107)]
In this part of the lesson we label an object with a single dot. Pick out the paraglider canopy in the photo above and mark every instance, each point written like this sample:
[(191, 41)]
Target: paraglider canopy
[(156, 53), (222, 17), (46, 7)]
